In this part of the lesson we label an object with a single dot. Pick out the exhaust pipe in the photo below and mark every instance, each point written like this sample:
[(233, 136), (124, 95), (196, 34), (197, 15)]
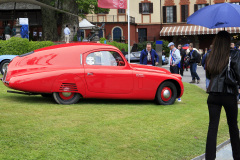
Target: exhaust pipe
[(25, 93)]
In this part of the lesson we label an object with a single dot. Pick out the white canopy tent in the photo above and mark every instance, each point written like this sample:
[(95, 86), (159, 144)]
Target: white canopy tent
[(84, 24)]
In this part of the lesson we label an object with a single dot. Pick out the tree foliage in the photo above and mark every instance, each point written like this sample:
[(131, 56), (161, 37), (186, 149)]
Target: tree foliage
[(89, 7)]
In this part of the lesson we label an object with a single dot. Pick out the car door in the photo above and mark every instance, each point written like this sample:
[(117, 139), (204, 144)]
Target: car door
[(107, 72)]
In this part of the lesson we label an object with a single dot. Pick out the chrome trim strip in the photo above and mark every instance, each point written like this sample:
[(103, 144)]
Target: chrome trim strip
[(81, 59)]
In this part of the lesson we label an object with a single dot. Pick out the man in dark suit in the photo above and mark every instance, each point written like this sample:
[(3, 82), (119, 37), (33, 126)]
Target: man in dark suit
[(193, 64), (183, 54), (149, 56)]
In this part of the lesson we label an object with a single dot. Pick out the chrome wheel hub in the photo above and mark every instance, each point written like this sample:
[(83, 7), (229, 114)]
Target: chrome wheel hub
[(4, 67), (66, 94), (166, 94)]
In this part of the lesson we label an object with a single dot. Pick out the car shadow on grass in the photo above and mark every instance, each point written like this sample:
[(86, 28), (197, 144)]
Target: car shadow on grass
[(37, 99), (116, 102)]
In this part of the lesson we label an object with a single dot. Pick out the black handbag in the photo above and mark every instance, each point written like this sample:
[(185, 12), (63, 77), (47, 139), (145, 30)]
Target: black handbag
[(230, 78)]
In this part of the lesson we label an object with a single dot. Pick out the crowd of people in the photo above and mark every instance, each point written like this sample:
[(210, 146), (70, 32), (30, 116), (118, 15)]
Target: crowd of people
[(180, 59)]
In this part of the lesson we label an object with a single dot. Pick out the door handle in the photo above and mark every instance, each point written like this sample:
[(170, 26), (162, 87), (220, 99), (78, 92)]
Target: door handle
[(140, 75), (90, 74)]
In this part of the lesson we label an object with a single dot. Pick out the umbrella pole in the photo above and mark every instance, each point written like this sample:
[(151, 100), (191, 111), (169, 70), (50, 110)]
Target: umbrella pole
[(224, 29)]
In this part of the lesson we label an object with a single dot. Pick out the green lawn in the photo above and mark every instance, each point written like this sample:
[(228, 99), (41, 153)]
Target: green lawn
[(32, 127)]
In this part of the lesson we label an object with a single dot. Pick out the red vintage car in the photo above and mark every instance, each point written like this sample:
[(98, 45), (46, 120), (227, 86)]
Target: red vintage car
[(73, 71)]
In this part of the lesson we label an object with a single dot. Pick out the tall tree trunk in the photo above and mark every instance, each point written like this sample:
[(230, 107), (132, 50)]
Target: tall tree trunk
[(49, 24), (71, 21)]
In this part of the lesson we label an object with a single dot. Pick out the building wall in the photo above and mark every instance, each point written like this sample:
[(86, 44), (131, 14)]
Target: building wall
[(153, 22)]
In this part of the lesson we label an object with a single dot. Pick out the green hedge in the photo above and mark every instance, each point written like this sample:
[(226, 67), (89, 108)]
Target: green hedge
[(18, 46), (120, 46)]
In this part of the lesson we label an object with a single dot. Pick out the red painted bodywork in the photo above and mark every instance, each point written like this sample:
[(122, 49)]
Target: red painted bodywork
[(63, 68)]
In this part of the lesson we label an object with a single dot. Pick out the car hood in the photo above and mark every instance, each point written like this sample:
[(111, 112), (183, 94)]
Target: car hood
[(149, 68), (153, 69)]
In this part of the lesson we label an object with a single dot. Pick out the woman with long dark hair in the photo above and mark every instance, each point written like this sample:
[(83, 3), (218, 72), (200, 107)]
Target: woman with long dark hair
[(222, 94)]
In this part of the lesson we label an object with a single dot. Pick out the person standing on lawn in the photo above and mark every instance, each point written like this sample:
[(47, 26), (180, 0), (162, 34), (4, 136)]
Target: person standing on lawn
[(149, 56), (204, 66), (222, 94), (193, 64), (183, 54), (175, 58)]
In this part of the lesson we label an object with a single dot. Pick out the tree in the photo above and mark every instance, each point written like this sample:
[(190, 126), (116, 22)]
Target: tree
[(53, 19), (89, 7)]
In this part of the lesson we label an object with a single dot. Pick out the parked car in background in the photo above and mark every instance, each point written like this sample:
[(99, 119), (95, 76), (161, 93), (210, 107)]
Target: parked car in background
[(73, 71), (134, 56), (165, 60), (4, 61)]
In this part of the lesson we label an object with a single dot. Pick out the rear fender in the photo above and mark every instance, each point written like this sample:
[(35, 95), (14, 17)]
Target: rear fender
[(69, 83)]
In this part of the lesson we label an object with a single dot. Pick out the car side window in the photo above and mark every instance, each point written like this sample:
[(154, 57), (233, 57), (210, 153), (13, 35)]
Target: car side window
[(105, 58)]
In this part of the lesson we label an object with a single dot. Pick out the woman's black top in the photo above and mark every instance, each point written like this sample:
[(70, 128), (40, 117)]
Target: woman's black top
[(217, 85)]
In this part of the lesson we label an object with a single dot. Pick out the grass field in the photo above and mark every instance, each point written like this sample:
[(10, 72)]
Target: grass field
[(32, 127)]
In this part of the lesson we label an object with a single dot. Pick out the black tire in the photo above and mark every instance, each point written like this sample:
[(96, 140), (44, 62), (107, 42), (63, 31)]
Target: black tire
[(61, 99), (3, 66), (166, 88)]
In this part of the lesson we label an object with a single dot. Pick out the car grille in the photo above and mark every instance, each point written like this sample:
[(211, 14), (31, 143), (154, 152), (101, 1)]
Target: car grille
[(68, 87)]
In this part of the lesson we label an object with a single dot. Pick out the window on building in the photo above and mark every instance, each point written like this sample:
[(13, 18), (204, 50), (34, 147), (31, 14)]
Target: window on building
[(145, 8), (199, 6), (238, 3), (142, 34), (169, 14), (184, 14), (121, 11)]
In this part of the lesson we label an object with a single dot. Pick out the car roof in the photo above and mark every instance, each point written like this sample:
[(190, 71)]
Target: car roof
[(89, 45)]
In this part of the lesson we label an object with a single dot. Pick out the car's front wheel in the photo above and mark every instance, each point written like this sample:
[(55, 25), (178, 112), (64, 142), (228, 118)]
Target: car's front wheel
[(66, 97), (166, 93), (4, 65)]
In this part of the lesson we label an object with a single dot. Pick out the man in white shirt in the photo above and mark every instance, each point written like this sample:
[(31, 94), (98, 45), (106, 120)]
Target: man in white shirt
[(174, 58), (67, 33)]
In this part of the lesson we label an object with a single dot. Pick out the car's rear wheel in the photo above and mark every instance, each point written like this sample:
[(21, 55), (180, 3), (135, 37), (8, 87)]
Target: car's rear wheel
[(66, 97), (4, 65), (166, 93)]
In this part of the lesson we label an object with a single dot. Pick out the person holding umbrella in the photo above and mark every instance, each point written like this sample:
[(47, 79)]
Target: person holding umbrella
[(220, 93)]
